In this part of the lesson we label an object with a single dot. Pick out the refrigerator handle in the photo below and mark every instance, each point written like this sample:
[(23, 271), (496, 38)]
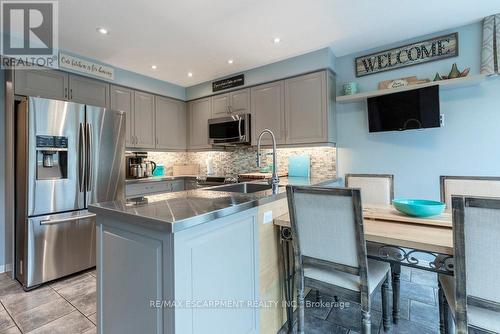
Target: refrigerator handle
[(82, 149), (89, 161)]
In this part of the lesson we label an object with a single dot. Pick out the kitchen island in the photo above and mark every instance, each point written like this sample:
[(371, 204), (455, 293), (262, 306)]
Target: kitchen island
[(197, 261)]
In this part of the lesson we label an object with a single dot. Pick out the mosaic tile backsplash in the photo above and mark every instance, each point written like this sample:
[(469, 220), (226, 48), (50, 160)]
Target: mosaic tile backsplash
[(243, 160)]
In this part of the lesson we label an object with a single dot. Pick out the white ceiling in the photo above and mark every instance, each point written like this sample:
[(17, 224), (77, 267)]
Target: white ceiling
[(199, 36)]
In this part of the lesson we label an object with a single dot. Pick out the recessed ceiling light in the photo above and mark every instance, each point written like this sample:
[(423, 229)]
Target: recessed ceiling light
[(230, 61), (276, 40), (103, 31), (154, 67), (190, 74)]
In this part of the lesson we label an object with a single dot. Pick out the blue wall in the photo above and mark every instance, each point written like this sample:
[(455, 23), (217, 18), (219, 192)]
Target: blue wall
[(323, 58), (138, 81), (468, 144)]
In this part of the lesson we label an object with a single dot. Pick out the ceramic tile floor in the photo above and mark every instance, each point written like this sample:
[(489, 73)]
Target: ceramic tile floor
[(68, 306), (65, 306), (419, 310)]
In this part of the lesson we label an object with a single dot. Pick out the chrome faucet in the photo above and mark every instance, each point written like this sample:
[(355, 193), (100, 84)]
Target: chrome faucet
[(274, 178)]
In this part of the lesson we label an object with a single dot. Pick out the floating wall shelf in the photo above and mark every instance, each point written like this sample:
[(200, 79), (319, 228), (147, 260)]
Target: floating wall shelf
[(471, 80)]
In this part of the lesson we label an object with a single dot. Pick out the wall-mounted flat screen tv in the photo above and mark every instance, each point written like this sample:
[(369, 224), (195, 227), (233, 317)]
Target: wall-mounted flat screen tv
[(413, 109)]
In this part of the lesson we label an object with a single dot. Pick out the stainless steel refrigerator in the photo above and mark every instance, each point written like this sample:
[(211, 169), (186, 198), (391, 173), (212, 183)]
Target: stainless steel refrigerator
[(68, 156)]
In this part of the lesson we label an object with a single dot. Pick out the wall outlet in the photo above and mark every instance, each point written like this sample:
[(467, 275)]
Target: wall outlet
[(441, 120), (268, 217)]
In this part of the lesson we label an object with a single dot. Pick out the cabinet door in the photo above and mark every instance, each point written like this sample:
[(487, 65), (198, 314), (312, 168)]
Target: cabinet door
[(240, 101), (122, 99), (48, 84), (268, 112), (306, 109), (88, 91), (178, 185), (220, 105), (199, 113), (144, 120), (170, 124)]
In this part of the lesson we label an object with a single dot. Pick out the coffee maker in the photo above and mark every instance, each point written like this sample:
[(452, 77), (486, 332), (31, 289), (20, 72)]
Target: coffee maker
[(138, 166), (135, 165)]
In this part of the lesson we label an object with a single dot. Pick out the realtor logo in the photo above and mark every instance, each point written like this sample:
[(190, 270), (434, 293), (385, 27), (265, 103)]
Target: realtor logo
[(29, 33)]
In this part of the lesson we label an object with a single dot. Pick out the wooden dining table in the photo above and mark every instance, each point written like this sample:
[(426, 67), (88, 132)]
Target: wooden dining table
[(391, 236)]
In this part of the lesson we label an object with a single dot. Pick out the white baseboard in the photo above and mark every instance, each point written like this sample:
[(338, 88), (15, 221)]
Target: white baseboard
[(5, 268)]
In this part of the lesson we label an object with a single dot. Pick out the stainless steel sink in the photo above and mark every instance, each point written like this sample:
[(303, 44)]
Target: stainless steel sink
[(243, 187)]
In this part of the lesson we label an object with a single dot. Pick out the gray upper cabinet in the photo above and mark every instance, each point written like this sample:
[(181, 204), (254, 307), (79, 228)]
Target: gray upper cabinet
[(122, 99), (308, 109), (199, 112), (170, 124), (88, 91), (220, 105), (268, 111), (144, 120), (239, 101), (43, 83), (51, 84)]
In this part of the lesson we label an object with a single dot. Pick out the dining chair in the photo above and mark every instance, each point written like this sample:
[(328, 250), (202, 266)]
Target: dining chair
[(468, 186), (330, 250), (375, 188), (474, 292)]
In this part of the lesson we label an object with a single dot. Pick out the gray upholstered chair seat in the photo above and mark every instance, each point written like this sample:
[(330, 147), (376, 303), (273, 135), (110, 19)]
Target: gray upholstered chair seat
[(377, 272), (477, 317)]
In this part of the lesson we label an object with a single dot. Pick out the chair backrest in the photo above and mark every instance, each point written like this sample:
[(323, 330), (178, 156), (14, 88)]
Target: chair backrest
[(476, 232), (468, 186), (327, 228), (375, 188)]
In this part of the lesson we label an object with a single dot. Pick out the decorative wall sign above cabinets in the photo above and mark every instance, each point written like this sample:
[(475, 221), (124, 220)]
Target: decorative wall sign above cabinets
[(412, 54), (84, 66), (238, 80)]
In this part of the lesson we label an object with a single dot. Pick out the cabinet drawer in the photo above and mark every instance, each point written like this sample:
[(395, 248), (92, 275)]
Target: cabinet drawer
[(140, 189)]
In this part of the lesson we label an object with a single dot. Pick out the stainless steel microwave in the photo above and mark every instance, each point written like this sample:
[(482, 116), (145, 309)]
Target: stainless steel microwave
[(229, 131)]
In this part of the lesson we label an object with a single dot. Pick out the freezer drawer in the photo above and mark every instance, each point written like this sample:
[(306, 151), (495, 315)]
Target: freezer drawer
[(59, 245)]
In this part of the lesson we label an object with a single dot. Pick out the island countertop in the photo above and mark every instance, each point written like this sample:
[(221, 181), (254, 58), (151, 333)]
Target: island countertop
[(174, 212)]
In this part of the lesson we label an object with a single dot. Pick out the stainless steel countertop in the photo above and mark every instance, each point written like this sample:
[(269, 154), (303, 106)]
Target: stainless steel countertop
[(174, 212), (160, 178)]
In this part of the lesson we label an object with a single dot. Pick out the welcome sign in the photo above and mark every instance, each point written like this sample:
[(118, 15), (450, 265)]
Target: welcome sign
[(407, 55)]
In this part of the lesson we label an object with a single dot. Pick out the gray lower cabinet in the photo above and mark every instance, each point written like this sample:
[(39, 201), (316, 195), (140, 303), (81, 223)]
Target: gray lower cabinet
[(48, 84), (199, 112), (309, 109), (154, 187), (268, 111), (153, 281), (122, 99), (88, 91), (144, 120), (170, 124)]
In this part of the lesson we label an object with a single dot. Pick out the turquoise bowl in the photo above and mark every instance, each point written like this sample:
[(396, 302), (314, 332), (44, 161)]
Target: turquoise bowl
[(419, 207)]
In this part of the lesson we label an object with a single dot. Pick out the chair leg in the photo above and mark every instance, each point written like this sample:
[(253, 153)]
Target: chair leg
[(300, 306), (444, 311), (318, 296), (366, 322), (396, 274), (386, 318)]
